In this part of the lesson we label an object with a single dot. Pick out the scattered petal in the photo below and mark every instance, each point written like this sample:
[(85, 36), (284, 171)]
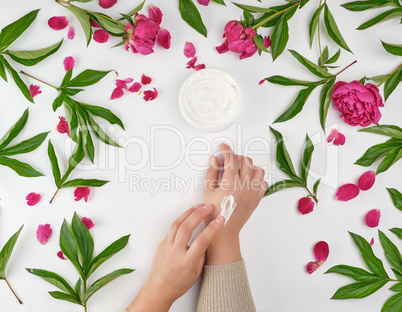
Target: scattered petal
[(203, 2), (199, 67), (366, 181), (155, 14), (87, 222), (68, 63), (312, 266), (123, 83), (145, 80), (58, 22), (373, 217), (189, 50), (33, 199), (93, 23), (306, 205), (267, 41), (135, 87), (71, 33), (43, 233), (347, 192), (34, 90), (321, 251), (61, 255), (82, 192), (101, 36), (191, 63), (117, 93), (106, 4), (150, 95), (372, 242), (62, 126), (262, 81), (164, 38), (337, 137)]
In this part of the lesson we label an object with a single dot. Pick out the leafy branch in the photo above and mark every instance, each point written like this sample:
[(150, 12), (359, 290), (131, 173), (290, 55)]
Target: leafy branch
[(77, 245)]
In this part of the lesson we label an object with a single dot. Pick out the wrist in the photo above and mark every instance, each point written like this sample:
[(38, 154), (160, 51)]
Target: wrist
[(224, 251), (149, 300)]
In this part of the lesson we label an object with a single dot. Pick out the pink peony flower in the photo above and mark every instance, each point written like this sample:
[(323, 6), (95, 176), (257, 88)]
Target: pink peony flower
[(68, 63), (87, 222), (62, 126), (33, 199), (306, 205), (34, 90), (61, 255), (238, 39), (155, 14), (150, 95), (337, 138), (321, 252), (106, 4), (135, 87), (145, 79), (71, 33), (366, 181), (189, 50), (58, 22), (163, 38), (82, 192), (359, 104), (101, 36), (347, 192), (145, 28), (43, 233), (373, 217)]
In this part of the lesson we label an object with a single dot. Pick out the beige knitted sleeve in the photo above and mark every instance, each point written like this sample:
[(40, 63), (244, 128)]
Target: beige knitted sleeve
[(225, 288)]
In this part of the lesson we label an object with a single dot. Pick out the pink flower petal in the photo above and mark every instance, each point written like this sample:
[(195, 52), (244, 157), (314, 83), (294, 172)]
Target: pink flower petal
[(321, 251), (347, 192), (61, 255), (145, 80), (203, 2), (101, 36), (71, 33), (312, 266), (68, 63), (43, 233), (340, 140), (191, 62), (163, 38), (87, 222), (123, 83), (267, 41), (135, 87), (82, 192), (373, 217), (306, 205), (33, 199), (150, 95), (93, 23), (366, 181), (155, 14), (34, 90), (106, 4), (62, 126), (189, 50), (58, 22), (372, 242), (337, 137), (117, 93), (199, 67), (262, 81)]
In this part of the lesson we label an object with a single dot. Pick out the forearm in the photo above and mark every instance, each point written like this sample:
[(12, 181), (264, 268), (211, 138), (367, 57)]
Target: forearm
[(224, 250), (149, 301)]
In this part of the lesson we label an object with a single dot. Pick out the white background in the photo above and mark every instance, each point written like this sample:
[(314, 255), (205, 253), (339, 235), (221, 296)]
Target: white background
[(277, 242)]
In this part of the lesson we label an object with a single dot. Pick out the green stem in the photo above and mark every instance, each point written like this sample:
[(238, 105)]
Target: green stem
[(58, 189), (256, 26), (319, 37), (354, 62), (13, 291), (389, 75), (22, 72)]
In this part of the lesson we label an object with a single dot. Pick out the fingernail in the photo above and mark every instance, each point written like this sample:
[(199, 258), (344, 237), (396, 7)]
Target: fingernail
[(220, 219), (207, 207), (199, 205)]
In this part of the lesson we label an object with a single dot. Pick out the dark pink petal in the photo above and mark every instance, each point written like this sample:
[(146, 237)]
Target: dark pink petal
[(203, 2), (106, 4), (34, 90), (93, 23), (33, 199), (373, 217), (61, 255), (199, 67), (150, 95), (43, 233), (340, 140), (190, 63), (347, 192), (262, 81), (62, 126), (58, 22), (223, 48), (189, 50), (321, 251), (135, 87), (337, 137), (312, 266), (123, 83), (366, 181), (155, 14), (68, 63), (145, 80), (372, 242), (82, 192), (163, 38), (87, 222), (306, 205), (101, 36), (267, 41), (117, 93), (71, 33)]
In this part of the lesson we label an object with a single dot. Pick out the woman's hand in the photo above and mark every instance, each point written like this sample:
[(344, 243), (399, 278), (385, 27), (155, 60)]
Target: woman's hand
[(177, 266), (246, 184)]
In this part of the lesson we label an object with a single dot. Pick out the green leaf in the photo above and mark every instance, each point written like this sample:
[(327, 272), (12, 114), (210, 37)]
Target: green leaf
[(398, 275), (70, 91), (103, 113), (87, 77), (297, 105), (364, 5), (107, 253), (76, 157), (111, 27), (324, 57), (67, 78), (190, 14), (63, 296), (281, 185), (283, 81), (19, 167), (359, 290), (397, 287), (259, 42), (248, 18), (72, 118), (379, 78), (253, 9), (397, 232), (333, 30), (221, 2), (315, 69), (54, 279), (69, 247), (25, 146), (394, 49), (128, 19), (314, 23), (84, 182), (392, 157), (381, 18), (334, 58), (393, 304), (396, 197), (3, 73), (13, 132), (391, 251), (100, 133), (78, 287), (54, 163), (57, 102), (303, 3), (357, 274), (89, 145), (136, 9), (388, 130), (377, 151), (325, 100), (374, 264), (392, 82), (6, 252), (84, 21), (280, 37), (306, 161), (84, 241), (33, 57), (12, 31), (103, 281), (315, 186)]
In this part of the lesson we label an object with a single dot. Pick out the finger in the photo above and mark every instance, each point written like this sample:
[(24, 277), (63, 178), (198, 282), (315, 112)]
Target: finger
[(212, 177), (176, 223), (264, 187), (187, 227), (246, 167), (258, 173), (231, 168), (204, 239)]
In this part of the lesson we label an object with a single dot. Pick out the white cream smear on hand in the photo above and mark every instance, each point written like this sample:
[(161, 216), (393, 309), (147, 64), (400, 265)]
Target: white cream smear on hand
[(228, 205), (209, 100)]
